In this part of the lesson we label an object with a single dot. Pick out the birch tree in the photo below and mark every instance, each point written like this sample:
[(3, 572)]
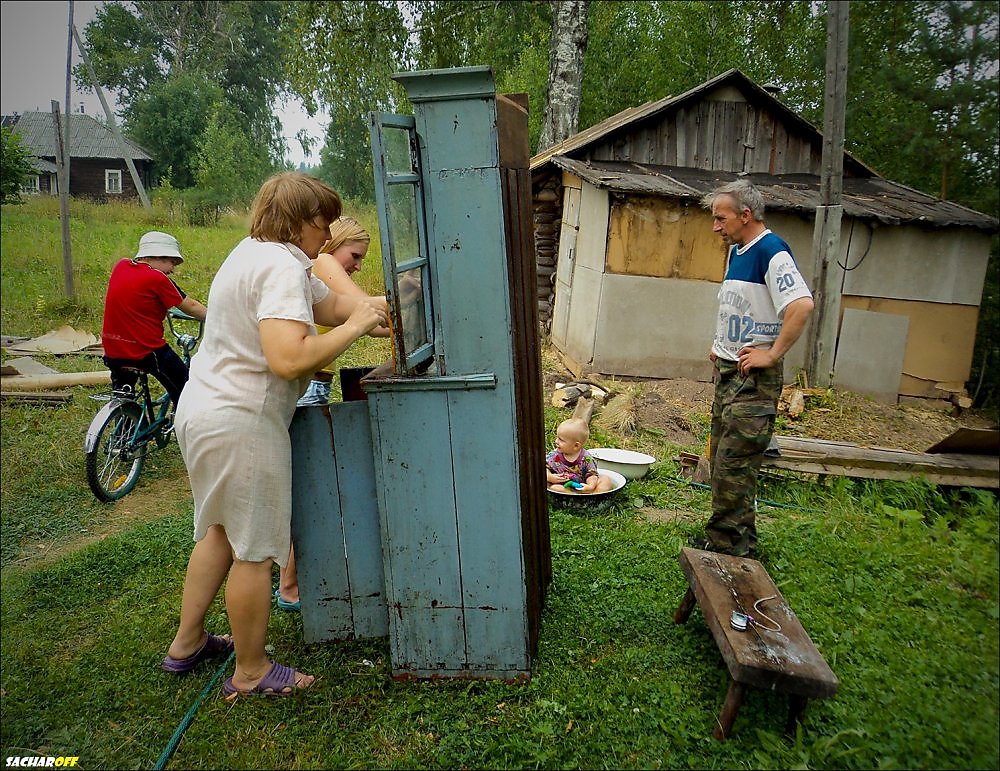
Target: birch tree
[(567, 47)]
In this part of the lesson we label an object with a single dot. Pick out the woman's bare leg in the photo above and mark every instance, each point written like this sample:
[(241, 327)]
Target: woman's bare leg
[(248, 603), (210, 560), (288, 580)]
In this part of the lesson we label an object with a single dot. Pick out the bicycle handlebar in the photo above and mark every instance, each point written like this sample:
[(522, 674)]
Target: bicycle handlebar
[(186, 341), (179, 314)]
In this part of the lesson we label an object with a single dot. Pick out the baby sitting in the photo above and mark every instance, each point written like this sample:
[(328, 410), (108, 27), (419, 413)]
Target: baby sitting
[(569, 467)]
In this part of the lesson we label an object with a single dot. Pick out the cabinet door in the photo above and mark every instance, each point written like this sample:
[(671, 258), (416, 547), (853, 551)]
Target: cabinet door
[(403, 233)]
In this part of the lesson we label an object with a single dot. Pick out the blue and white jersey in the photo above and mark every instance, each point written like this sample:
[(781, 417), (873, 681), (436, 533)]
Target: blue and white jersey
[(762, 278)]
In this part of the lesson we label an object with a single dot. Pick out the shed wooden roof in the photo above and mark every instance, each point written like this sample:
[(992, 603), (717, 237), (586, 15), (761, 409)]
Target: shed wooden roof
[(88, 137), (627, 120), (871, 198)]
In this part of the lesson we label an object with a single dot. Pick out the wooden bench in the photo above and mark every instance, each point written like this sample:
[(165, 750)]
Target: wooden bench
[(785, 661)]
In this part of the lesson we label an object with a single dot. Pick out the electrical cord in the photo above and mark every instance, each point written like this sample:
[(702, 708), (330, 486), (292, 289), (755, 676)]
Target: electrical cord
[(764, 501), (770, 620)]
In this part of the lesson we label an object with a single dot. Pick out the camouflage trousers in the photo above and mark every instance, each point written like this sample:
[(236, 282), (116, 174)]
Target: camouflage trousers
[(743, 413)]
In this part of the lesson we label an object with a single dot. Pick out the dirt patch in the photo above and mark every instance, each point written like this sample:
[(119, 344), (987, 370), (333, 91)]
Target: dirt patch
[(678, 411), (668, 516), (150, 500)]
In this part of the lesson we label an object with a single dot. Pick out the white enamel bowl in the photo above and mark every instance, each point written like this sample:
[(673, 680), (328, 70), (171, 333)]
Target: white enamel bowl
[(631, 465)]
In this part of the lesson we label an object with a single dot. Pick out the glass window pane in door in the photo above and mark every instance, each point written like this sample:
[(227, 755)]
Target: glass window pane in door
[(396, 144), (411, 309)]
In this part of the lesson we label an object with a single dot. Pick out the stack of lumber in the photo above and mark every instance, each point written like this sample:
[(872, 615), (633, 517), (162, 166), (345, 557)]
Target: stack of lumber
[(960, 469)]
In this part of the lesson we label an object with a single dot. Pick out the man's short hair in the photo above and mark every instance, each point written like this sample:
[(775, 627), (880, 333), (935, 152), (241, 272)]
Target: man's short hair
[(286, 202), (744, 195)]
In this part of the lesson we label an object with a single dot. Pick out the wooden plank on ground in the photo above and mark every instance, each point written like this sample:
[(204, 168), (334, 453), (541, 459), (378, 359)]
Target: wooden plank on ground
[(818, 456), (42, 398), (50, 382)]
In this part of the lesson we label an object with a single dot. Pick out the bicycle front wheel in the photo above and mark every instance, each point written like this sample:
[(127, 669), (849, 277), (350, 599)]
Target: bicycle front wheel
[(113, 462)]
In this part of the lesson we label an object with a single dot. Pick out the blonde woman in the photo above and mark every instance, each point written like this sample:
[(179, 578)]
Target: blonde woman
[(232, 423), (339, 259)]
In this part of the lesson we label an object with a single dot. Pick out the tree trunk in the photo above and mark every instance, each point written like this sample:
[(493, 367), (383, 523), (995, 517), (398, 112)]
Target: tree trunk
[(566, 50)]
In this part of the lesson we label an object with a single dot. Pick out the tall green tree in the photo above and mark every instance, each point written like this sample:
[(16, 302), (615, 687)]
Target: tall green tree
[(15, 166), (341, 55), (221, 157), (221, 52), (346, 159)]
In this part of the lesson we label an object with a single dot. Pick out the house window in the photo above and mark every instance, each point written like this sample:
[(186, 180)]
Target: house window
[(112, 180), (30, 185)]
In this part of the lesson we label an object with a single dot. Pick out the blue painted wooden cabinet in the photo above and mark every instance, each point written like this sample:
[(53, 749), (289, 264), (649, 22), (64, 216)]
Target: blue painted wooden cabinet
[(456, 420)]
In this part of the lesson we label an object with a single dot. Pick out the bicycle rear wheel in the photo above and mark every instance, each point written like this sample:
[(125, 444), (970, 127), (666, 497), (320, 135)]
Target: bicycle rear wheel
[(114, 463)]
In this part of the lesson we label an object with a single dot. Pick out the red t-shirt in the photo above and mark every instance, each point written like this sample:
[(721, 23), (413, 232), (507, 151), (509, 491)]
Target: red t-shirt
[(137, 301)]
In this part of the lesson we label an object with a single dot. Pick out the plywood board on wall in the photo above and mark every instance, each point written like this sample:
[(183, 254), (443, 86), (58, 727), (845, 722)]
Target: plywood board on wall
[(583, 312), (941, 340), (908, 262), (665, 239), (654, 327), (870, 354), (592, 241)]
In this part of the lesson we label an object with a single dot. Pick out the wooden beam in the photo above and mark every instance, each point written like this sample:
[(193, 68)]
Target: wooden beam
[(50, 382), (828, 275), (818, 456), (41, 398)]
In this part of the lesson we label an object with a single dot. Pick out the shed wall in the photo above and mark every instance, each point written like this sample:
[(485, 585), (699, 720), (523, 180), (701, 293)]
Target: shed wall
[(663, 238), (721, 132), (906, 262)]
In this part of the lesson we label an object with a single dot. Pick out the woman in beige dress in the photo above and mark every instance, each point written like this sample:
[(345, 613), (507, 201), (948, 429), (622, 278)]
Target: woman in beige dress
[(259, 349)]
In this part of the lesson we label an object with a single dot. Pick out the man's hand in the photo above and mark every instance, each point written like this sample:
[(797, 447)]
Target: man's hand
[(754, 358)]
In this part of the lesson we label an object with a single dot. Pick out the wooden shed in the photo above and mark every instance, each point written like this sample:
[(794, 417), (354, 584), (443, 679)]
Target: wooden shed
[(97, 168), (629, 268)]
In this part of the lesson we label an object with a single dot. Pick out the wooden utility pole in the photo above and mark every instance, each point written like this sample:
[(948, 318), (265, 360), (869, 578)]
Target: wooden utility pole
[(112, 125), (62, 179), (63, 154), (828, 273)]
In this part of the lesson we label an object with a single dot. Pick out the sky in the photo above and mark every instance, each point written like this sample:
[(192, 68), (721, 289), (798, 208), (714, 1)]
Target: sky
[(33, 39)]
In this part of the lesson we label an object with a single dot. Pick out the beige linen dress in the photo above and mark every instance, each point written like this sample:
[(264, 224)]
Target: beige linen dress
[(233, 417)]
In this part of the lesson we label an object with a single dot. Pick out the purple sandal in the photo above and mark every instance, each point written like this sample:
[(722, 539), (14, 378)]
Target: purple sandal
[(274, 683), (214, 645)]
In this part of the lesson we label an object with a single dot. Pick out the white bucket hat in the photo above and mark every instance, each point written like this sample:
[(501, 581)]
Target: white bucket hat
[(157, 244)]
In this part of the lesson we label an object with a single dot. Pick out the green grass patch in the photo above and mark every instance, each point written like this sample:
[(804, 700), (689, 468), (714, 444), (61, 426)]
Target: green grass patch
[(897, 584), (904, 609)]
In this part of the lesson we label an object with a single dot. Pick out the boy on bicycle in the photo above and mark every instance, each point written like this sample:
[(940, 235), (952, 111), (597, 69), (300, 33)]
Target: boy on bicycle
[(140, 293)]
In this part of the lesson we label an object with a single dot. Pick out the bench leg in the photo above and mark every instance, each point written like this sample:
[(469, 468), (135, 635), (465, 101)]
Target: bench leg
[(796, 712), (734, 699), (685, 608)]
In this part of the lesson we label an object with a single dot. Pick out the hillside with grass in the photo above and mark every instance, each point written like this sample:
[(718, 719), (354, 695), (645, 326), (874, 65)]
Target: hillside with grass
[(897, 584)]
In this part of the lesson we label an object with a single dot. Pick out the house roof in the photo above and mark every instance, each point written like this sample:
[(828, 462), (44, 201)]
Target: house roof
[(871, 198), (628, 119), (88, 137)]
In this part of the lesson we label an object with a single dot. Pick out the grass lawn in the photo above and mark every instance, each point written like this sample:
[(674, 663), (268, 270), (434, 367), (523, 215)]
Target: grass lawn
[(896, 583)]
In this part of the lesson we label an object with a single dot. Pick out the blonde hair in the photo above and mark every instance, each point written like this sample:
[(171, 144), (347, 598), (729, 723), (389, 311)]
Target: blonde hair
[(287, 201), (345, 230), (575, 428)]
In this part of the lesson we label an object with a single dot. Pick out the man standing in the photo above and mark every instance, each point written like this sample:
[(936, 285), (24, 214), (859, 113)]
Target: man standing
[(763, 307)]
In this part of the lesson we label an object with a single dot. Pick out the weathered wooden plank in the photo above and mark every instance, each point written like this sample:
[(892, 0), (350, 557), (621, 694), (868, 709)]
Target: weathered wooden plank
[(785, 660), (42, 398), (819, 456), (317, 530), (59, 380)]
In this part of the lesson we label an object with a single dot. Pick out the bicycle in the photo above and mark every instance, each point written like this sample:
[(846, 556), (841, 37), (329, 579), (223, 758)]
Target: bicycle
[(131, 426)]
